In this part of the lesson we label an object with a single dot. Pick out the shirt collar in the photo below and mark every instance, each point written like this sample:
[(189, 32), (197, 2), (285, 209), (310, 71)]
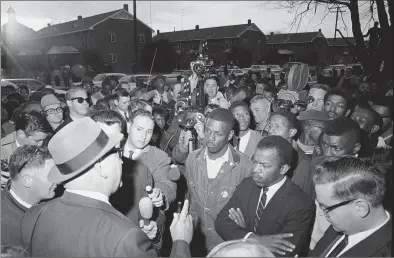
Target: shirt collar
[(73, 118), (221, 159), (358, 237), (275, 187), (93, 195), (19, 200), (246, 135), (136, 153)]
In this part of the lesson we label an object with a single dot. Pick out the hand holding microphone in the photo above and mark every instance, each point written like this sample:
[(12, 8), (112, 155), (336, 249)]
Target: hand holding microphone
[(155, 195), (146, 210)]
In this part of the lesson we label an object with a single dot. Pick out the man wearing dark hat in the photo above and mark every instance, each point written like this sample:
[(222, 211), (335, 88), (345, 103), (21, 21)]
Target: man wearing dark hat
[(212, 174), (53, 110), (82, 222), (311, 123)]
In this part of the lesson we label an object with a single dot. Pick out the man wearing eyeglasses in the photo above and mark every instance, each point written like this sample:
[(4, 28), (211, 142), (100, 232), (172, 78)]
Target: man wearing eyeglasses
[(29, 168), (52, 110), (78, 104), (350, 194)]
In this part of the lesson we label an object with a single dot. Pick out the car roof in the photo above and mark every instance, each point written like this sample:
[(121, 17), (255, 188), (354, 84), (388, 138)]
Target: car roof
[(20, 79)]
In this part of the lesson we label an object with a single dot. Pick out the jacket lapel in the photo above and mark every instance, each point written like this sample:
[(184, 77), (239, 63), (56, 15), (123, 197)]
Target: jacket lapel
[(252, 143), (252, 207)]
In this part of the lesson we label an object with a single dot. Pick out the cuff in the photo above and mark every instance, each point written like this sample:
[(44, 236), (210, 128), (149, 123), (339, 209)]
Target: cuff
[(247, 235)]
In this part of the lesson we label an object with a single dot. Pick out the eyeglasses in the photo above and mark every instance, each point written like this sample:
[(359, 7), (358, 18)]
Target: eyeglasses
[(28, 160), (53, 111), (81, 100), (326, 210)]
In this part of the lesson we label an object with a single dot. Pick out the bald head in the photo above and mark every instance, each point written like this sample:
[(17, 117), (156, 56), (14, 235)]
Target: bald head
[(240, 248)]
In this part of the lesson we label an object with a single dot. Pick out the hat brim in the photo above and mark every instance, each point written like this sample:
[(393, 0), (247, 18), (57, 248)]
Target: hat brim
[(56, 177)]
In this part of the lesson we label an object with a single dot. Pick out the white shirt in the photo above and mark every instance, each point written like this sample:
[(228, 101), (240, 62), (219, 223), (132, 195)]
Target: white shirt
[(214, 166), (357, 238), (23, 203), (270, 193), (93, 195), (127, 149), (122, 113), (74, 118), (243, 141)]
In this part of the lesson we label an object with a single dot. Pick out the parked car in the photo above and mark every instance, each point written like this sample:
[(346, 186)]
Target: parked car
[(99, 78), (237, 72), (32, 84), (257, 68), (132, 79)]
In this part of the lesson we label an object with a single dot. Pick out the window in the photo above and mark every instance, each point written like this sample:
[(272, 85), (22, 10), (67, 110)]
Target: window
[(178, 45), (245, 42), (112, 37), (305, 46), (113, 58), (141, 38), (229, 42)]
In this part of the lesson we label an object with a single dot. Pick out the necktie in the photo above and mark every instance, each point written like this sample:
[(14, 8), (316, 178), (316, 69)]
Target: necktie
[(131, 154), (125, 115), (337, 250), (238, 142), (260, 208)]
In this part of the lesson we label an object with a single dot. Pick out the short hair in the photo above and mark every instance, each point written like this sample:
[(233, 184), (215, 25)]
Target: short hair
[(257, 98), (73, 90), (159, 110), (109, 117), (12, 107), (376, 118), (352, 178), (26, 107), (140, 112), (341, 126), (385, 101), (103, 102), (96, 108), (212, 77), (263, 81), (238, 104), (13, 251), (16, 96), (32, 121), (121, 93), (36, 96), (291, 118), (324, 87), (136, 104), (222, 115), (344, 94), (27, 156), (282, 147), (249, 247)]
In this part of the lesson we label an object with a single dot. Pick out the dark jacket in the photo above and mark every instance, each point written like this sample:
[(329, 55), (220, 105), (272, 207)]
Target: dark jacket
[(208, 196), (66, 121), (75, 226), (301, 174), (254, 139), (289, 211), (376, 245), (12, 213)]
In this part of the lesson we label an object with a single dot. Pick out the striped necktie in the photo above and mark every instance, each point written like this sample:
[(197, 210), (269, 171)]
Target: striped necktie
[(131, 154), (338, 249), (260, 208)]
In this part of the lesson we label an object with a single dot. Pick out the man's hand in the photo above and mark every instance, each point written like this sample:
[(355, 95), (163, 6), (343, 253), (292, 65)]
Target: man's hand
[(237, 216), (182, 225), (150, 230), (275, 243), (200, 128), (184, 138), (157, 197)]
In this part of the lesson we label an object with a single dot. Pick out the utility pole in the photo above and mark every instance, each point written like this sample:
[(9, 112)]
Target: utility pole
[(335, 33), (135, 37)]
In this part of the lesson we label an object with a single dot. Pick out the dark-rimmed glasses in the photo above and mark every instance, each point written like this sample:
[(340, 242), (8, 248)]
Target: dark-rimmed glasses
[(53, 111), (28, 160), (81, 100), (327, 210)]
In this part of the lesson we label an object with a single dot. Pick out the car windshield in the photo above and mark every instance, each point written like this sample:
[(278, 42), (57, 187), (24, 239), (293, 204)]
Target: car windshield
[(144, 78), (99, 77), (256, 67)]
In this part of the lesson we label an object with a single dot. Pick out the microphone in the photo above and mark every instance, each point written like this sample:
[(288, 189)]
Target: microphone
[(146, 209), (173, 173)]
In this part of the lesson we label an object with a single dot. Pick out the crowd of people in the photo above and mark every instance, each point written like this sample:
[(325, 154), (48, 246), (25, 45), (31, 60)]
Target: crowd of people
[(116, 172)]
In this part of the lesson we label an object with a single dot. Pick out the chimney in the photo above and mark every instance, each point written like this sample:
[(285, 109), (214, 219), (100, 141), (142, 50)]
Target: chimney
[(158, 32), (197, 27), (319, 30), (249, 22), (79, 17), (126, 7), (272, 33), (48, 25)]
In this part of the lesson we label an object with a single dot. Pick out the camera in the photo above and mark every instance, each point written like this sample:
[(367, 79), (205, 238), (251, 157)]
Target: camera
[(202, 65), (189, 118)]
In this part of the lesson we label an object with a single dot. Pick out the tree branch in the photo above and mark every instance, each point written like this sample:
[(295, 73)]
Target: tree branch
[(347, 41)]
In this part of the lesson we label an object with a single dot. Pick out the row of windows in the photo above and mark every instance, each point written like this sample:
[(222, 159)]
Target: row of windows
[(112, 38), (229, 42)]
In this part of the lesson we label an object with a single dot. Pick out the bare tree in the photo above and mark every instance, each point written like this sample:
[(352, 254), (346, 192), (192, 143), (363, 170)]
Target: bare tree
[(360, 11)]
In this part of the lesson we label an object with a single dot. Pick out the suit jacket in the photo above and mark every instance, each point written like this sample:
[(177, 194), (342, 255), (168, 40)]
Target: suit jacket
[(66, 121), (254, 139), (75, 226), (301, 175), (290, 210), (376, 245), (8, 147), (12, 213)]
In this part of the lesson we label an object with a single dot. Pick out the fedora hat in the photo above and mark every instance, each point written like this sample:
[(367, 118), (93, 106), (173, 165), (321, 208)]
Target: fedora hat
[(77, 146)]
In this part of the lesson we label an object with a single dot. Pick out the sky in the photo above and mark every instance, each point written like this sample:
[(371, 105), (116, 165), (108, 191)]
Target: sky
[(165, 15)]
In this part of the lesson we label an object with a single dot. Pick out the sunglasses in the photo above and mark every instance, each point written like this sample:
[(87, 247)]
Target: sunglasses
[(81, 100), (28, 160), (53, 111)]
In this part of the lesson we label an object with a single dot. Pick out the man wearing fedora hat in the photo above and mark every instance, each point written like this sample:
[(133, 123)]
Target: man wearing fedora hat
[(52, 110), (82, 222)]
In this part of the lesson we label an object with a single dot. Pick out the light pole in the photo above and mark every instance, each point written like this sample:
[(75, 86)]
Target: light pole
[(335, 33)]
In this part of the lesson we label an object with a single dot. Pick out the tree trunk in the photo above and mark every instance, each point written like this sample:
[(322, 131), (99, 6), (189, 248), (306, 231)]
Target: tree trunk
[(383, 19), (361, 50), (391, 11)]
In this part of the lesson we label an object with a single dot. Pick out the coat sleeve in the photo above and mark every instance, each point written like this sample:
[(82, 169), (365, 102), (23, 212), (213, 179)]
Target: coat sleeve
[(180, 248), (226, 227), (179, 155), (135, 243)]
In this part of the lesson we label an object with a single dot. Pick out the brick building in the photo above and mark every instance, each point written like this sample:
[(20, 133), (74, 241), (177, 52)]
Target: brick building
[(343, 53), (307, 47), (109, 35), (222, 42)]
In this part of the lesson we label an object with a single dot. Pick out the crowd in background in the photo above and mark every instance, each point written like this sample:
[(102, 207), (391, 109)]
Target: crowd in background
[(266, 177)]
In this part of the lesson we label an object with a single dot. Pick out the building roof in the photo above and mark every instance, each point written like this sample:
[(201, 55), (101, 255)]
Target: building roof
[(86, 23), (15, 30), (304, 37), (340, 42), (55, 50), (231, 31)]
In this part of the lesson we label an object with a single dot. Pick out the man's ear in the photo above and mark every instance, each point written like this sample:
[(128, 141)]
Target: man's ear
[(68, 103), (292, 132), (348, 112), (116, 102), (356, 148), (284, 169), (231, 134), (26, 180), (101, 172), (375, 129)]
